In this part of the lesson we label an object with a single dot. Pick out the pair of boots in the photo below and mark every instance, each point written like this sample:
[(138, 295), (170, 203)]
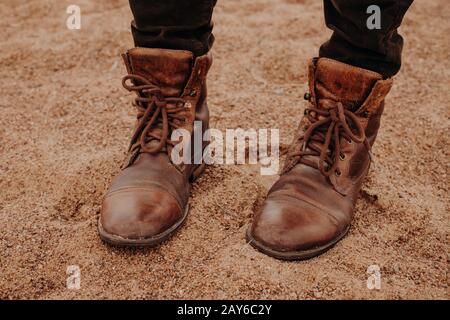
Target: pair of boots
[(306, 211)]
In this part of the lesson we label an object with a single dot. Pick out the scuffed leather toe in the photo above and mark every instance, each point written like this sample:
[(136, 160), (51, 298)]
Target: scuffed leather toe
[(286, 224), (139, 213)]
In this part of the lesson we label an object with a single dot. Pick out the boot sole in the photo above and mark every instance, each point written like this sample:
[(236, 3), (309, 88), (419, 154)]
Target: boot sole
[(293, 255), (156, 240)]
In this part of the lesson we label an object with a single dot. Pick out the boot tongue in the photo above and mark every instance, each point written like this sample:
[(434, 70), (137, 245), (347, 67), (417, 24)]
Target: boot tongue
[(168, 69), (336, 81)]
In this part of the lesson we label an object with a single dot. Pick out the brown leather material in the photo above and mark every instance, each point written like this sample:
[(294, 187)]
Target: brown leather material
[(311, 206), (336, 82), (191, 89), (167, 69), (149, 197)]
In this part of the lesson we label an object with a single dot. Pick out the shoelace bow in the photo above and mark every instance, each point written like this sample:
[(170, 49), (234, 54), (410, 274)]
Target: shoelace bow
[(326, 129), (154, 111)]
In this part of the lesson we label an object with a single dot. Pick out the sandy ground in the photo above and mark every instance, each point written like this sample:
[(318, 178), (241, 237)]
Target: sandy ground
[(65, 124)]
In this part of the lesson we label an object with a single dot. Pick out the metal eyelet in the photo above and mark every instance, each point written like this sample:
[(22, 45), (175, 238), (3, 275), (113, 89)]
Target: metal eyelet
[(349, 141), (192, 93), (338, 173), (342, 157), (307, 96)]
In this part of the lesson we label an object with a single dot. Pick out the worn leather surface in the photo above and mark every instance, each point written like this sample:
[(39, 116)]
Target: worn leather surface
[(151, 194), (306, 209)]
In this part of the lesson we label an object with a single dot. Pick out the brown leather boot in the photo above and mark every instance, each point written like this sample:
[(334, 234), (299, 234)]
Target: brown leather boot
[(148, 200), (311, 206)]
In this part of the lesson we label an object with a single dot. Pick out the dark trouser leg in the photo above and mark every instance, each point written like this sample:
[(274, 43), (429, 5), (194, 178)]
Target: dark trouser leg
[(354, 43), (173, 24)]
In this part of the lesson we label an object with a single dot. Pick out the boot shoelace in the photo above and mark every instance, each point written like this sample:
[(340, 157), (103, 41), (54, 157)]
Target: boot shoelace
[(322, 137), (154, 111)]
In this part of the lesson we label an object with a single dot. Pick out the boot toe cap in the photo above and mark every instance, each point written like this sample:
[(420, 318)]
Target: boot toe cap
[(139, 213), (292, 225)]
